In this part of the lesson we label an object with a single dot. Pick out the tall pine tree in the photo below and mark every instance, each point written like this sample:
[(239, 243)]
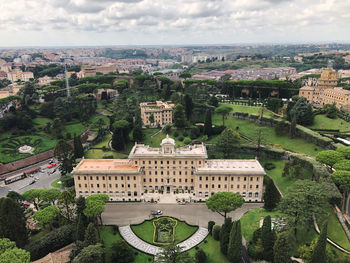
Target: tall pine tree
[(271, 195), (188, 106), (12, 222), (208, 124), (118, 139), (319, 253), (91, 235), (137, 134), (282, 250), (234, 251), (267, 238), (78, 147), (225, 235)]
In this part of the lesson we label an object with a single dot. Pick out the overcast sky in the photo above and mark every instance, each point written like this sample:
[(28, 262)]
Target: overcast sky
[(146, 22)]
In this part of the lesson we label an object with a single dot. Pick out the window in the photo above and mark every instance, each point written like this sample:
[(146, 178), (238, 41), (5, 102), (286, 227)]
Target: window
[(79, 185), (84, 177), (256, 194), (200, 186), (78, 177), (128, 178), (245, 178), (238, 186), (251, 178), (257, 186), (191, 180), (219, 186), (161, 172), (128, 185), (257, 179), (180, 180), (115, 177), (185, 180), (150, 180), (213, 178), (149, 172), (116, 185), (91, 178), (226, 178), (144, 180), (155, 172), (250, 186), (244, 186), (206, 178), (110, 185), (85, 185), (156, 180), (200, 162), (231, 186), (239, 178), (109, 178), (122, 185), (219, 178), (134, 177), (98, 185), (134, 185), (250, 194), (206, 186), (212, 186), (232, 178), (122, 177), (149, 162), (200, 178)]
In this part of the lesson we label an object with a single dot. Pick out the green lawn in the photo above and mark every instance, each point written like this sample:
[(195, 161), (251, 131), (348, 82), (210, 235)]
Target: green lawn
[(276, 174), (97, 154), (250, 129), (9, 147), (156, 140), (250, 221), (74, 128), (108, 238), (248, 109), (55, 183), (211, 247), (322, 122), (145, 231)]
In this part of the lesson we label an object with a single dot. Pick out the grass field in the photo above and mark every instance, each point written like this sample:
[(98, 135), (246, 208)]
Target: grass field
[(250, 129), (276, 174), (108, 238), (156, 140), (74, 128), (322, 122), (55, 183), (211, 247), (248, 109), (145, 231)]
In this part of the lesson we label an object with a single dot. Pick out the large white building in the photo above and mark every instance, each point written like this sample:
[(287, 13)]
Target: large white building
[(168, 169)]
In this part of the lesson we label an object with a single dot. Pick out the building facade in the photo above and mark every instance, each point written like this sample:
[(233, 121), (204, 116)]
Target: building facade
[(325, 91), (166, 170), (162, 113)]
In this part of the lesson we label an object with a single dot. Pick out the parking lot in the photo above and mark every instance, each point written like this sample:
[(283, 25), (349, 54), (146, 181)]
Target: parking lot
[(42, 179)]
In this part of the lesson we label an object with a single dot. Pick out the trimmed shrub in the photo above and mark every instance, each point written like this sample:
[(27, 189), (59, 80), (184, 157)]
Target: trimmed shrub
[(185, 134), (210, 226), (216, 232), (200, 256), (269, 166), (176, 134), (187, 140), (107, 156), (51, 242), (181, 138)]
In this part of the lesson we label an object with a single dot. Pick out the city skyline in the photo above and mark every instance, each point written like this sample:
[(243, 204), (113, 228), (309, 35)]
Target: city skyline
[(145, 22)]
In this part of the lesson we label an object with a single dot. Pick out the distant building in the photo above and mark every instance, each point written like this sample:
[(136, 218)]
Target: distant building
[(162, 113), (325, 91), (110, 94), (168, 169), (90, 71), (20, 76)]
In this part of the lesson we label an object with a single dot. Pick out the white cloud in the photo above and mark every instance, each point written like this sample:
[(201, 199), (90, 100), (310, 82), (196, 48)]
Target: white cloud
[(103, 22)]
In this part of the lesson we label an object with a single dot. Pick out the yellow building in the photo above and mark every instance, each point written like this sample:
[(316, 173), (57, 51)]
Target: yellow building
[(162, 113), (326, 91), (168, 170)]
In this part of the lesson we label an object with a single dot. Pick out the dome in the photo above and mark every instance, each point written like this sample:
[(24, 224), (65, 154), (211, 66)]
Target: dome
[(168, 140)]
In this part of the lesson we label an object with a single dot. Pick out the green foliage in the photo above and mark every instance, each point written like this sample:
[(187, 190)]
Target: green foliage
[(267, 238), (271, 195), (91, 235), (331, 111), (342, 165), (200, 256), (234, 253), (49, 195), (10, 253), (216, 232), (225, 235), (282, 250), (319, 253), (211, 224), (64, 154), (122, 252), (224, 202), (12, 222), (188, 104), (47, 215), (274, 104), (51, 242), (302, 111), (304, 199), (223, 110), (91, 254), (228, 139), (33, 195), (78, 147), (329, 157), (208, 124), (179, 116), (15, 196), (95, 205), (172, 253), (65, 204), (345, 151)]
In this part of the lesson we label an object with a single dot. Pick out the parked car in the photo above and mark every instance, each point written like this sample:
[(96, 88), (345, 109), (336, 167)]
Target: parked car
[(157, 212), (36, 178), (53, 171), (182, 202), (53, 164), (51, 161), (32, 182)]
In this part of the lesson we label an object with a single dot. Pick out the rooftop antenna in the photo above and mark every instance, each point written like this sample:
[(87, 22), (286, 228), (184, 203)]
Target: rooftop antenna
[(67, 82)]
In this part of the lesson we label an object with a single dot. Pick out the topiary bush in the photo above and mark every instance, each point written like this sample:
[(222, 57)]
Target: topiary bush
[(187, 140), (176, 134), (210, 226), (181, 138), (216, 232)]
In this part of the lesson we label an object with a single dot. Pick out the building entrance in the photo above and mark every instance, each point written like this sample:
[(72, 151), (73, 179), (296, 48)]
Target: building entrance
[(168, 189)]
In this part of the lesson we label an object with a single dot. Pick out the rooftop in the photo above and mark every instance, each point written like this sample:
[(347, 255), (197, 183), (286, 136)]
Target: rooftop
[(241, 167), (105, 166)]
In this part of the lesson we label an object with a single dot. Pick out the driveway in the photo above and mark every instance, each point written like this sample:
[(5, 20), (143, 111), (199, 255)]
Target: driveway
[(123, 214)]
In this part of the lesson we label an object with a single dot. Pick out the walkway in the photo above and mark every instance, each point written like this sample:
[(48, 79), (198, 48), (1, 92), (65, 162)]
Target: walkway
[(136, 242)]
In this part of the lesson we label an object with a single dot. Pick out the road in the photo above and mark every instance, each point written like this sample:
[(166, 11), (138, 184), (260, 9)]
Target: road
[(44, 163), (45, 180), (197, 214)]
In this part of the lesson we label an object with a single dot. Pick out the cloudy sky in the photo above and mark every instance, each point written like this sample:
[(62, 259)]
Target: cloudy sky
[(147, 22)]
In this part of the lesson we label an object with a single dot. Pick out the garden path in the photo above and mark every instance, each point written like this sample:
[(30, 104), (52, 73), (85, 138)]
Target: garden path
[(136, 242)]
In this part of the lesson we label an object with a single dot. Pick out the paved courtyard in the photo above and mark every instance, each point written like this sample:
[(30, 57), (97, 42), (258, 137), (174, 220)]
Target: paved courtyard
[(123, 214)]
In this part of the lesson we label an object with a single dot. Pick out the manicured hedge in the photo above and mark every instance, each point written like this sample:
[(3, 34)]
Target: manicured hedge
[(51, 242)]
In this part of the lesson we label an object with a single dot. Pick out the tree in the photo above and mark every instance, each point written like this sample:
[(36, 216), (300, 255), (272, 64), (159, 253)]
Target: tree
[(228, 139), (10, 253), (274, 104), (329, 157), (137, 133), (65, 204), (47, 215), (342, 165), (224, 202), (304, 199), (223, 110), (225, 235), (15, 196), (179, 116), (78, 147), (331, 111), (200, 257), (12, 222), (234, 253), (49, 195), (210, 226), (122, 252), (185, 75), (173, 254), (303, 112), (91, 235), (151, 118), (345, 151), (208, 123), (91, 254), (64, 154), (267, 238), (34, 196), (293, 127), (188, 106), (319, 253), (95, 205), (118, 142), (282, 250), (342, 179), (271, 195)]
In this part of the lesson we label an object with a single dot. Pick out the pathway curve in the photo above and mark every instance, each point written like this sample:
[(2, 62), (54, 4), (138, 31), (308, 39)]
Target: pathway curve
[(133, 240)]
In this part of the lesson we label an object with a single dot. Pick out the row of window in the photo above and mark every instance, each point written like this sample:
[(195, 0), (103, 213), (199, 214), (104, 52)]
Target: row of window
[(168, 173), (168, 162), (226, 178), (250, 194), (104, 185), (232, 186), (110, 178), (168, 180), (115, 193)]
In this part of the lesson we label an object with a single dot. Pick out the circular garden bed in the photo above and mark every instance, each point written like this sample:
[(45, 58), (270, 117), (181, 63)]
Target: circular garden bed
[(164, 230)]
